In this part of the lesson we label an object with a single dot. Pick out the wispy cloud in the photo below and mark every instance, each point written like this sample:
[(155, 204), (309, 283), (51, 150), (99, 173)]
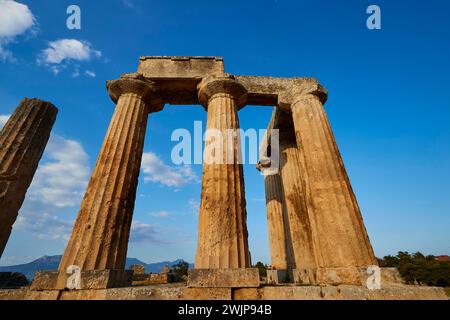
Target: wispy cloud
[(63, 175), (15, 19), (61, 53), (160, 214), (59, 183), (194, 206), (155, 170), (144, 232), (90, 74), (3, 119)]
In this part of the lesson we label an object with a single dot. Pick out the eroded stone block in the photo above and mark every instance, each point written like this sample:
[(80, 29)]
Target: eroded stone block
[(224, 278), (90, 279), (180, 67), (279, 276)]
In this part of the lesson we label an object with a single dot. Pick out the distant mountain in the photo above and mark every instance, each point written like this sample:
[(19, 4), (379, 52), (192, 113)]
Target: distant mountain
[(52, 263)]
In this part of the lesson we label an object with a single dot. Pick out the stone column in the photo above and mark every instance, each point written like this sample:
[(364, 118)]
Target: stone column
[(298, 221), (339, 234), (279, 238), (100, 235), (222, 240), (22, 142)]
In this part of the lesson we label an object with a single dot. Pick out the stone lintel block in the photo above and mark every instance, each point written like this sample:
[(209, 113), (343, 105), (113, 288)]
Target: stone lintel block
[(177, 79), (207, 294), (90, 279), (179, 67), (279, 292), (340, 292), (279, 276), (224, 278), (304, 276), (352, 276)]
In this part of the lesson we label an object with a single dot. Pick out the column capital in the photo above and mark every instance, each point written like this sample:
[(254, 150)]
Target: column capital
[(302, 90), (265, 166), (136, 83), (215, 84)]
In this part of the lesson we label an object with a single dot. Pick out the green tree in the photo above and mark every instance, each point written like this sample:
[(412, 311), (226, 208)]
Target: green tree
[(262, 269), (418, 268), (180, 270)]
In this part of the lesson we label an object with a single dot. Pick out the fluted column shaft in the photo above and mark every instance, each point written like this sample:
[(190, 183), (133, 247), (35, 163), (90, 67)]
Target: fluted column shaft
[(281, 251), (222, 241), (100, 235), (22, 142), (295, 194), (340, 236)]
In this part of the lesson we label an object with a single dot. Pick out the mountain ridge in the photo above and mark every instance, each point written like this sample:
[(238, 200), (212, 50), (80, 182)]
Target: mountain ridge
[(52, 263)]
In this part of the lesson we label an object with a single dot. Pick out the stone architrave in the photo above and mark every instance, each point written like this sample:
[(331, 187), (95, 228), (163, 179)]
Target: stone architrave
[(22, 142)]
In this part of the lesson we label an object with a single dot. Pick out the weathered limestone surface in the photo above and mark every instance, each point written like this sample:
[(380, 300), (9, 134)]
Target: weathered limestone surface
[(224, 278), (90, 279), (296, 197), (284, 292), (281, 251), (222, 239), (178, 77), (100, 235), (279, 276), (22, 142), (341, 292), (339, 235), (137, 269)]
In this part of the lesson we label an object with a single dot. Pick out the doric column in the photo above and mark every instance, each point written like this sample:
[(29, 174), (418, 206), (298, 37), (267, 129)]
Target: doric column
[(279, 238), (100, 235), (222, 240), (339, 235), (22, 142), (298, 222)]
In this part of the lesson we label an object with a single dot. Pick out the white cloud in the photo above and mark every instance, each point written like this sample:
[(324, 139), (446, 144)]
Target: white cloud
[(160, 214), (3, 120), (76, 72), (15, 19), (66, 50), (45, 225), (144, 232), (61, 179), (59, 183), (90, 73), (194, 206), (155, 170), (5, 54)]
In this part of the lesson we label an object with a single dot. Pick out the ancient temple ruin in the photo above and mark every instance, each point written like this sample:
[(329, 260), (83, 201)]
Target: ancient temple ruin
[(317, 235), (316, 230)]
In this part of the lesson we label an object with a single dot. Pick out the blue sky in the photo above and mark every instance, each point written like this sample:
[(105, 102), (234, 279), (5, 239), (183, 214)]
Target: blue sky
[(388, 105)]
